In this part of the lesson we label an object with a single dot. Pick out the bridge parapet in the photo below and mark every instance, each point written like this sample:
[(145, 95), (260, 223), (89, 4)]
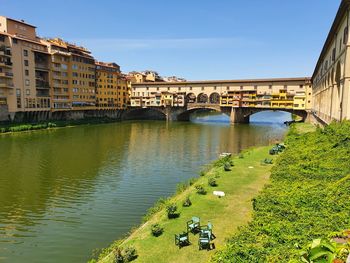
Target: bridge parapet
[(192, 106)]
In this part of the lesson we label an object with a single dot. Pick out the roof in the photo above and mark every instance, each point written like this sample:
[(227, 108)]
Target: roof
[(336, 23), (188, 83), (19, 21)]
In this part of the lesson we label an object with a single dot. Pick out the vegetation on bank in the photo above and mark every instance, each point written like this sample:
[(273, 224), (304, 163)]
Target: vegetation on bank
[(9, 128), (307, 199), (154, 240)]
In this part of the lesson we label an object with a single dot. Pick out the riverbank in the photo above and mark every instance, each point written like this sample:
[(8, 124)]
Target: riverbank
[(23, 127), (307, 198), (241, 184)]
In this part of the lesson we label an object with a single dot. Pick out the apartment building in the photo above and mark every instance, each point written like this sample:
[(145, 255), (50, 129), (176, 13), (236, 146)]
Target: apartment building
[(107, 86), (61, 90), (83, 75), (25, 68)]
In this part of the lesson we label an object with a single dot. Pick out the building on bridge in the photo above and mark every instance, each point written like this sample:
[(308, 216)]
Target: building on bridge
[(331, 94), (293, 94)]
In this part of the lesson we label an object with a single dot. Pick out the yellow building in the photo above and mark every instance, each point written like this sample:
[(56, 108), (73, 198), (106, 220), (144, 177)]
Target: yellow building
[(107, 86)]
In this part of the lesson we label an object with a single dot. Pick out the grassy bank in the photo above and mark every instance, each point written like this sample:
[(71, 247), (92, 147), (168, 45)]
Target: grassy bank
[(9, 128), (246, 179), (308, 197)]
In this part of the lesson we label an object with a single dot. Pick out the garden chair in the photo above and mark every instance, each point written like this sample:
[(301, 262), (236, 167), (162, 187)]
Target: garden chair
[(182, 240), (208, 229), (204, 241), (193, 225)]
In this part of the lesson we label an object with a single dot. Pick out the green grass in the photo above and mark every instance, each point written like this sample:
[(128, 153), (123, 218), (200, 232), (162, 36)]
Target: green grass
[(226, 214), (21, 127), (301, 128), (307, 198)]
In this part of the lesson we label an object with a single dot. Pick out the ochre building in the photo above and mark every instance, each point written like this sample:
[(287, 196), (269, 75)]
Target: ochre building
[(331, 95)]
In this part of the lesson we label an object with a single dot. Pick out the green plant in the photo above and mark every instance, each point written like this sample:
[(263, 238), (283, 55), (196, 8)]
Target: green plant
[(321, 250), (156, 230), (118, 257), (171, 211), (158, 206), (130, 254), (201, 190), (308, 197), (187, 202), (227, 167), (212, 182)]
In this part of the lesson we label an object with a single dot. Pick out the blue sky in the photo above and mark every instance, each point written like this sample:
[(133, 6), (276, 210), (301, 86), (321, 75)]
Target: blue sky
[(194, 39)]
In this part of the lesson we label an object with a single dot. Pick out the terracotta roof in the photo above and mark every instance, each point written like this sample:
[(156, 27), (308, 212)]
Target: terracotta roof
[(344, 7)]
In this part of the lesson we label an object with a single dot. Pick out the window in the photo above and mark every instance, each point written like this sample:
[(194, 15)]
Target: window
[(333, 54), (26, 72), (270, 86), (18, 92), (345, 35), (14, 41), (26, 63), (27, 92), (74, 66), (25, 52), (2, 38), (27, 82)]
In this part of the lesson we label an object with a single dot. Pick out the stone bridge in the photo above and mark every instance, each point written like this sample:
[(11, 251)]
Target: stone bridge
[(237, 115)]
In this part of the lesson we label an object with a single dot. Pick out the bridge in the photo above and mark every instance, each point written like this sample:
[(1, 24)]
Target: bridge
[(237, 99)]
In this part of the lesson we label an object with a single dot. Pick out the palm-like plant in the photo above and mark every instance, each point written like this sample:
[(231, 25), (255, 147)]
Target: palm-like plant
[(325, 251)]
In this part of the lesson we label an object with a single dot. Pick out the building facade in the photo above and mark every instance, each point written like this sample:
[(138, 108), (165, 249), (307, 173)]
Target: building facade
[(111, 87), (294, 93), (52, 75), (331, 95), (24, 68)]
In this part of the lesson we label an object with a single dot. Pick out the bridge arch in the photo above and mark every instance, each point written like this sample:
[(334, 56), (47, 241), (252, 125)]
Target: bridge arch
[(214, 98), (185, 116), (202, 98), (246, 113), (144, 114)]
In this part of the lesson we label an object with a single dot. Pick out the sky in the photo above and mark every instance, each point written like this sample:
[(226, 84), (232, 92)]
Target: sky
[(193, 39)]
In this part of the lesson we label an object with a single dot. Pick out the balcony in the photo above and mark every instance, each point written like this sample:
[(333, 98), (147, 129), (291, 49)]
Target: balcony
[(6, 75), (5, 51), (6, 85), (6, 64), (40, 84)]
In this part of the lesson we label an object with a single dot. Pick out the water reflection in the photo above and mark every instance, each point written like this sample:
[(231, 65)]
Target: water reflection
[(65, 192)]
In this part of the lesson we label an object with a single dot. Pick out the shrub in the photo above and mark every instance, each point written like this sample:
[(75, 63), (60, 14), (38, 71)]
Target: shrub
[(130, 254), (212, 182), (187, 202), (308, 197), (118, 257), (227, 167), (157, 230), (200, 190), (171, 210)]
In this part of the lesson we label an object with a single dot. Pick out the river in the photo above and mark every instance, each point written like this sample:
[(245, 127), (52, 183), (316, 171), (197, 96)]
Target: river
[(65, 192)]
